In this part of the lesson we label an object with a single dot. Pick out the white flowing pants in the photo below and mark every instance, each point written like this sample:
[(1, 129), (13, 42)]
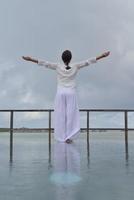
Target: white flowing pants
[(66, 114)]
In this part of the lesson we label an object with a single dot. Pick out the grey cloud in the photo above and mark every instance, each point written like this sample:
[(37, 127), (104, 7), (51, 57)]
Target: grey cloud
[(43, 29)]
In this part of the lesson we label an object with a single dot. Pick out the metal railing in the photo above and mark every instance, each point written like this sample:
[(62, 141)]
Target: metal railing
[(88, 111)]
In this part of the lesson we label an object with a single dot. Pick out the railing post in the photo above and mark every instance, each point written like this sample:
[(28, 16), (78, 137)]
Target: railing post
[(88, 153), (87, 125), (126, 132), (11, 135), (50, 126), (49, 137)]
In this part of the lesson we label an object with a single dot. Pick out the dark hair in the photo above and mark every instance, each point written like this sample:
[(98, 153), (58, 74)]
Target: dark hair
[(66, 57)]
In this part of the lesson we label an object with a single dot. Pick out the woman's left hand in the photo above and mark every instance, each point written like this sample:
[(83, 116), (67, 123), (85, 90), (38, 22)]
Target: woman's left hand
[(105, 54)]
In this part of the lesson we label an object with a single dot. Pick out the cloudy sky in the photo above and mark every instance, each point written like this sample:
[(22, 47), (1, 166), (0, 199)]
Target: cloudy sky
[(43, 29)]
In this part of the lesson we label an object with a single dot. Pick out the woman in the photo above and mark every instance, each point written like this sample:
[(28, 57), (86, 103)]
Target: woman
[(66, 111)]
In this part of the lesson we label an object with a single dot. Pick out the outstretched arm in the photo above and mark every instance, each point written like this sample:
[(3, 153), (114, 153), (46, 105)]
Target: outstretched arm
[(41, 63), (27, 58), (92, 60), (103, 55)]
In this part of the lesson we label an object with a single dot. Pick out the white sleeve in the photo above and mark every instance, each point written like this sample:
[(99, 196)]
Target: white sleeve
[(86, 63), (48, 64)]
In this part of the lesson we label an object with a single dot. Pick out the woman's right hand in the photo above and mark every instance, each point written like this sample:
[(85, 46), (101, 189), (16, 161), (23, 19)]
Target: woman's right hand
[(27, 58)]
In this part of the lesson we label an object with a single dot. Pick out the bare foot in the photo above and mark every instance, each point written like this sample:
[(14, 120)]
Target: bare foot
[(69, 141)]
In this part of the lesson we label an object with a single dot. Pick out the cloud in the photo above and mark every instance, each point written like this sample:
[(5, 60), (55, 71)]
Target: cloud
[(33, 115), (129, 57), (45, 30)]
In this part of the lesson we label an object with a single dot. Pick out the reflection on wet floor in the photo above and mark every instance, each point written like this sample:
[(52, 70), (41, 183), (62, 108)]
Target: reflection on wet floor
[(62, 150), (66, 164), (87, 144), (66, 171)]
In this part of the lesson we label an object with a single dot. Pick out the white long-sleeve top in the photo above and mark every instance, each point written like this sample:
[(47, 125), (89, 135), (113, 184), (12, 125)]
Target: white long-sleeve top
[(66, 77)]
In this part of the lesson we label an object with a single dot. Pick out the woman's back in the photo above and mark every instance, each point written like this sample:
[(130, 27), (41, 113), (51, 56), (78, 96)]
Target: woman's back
[(66, 77)]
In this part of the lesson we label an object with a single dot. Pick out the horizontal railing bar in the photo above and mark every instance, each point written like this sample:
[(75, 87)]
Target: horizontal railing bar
[(81, 110), (109, 129), (46, 129), (33, 110), (106, 110)]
